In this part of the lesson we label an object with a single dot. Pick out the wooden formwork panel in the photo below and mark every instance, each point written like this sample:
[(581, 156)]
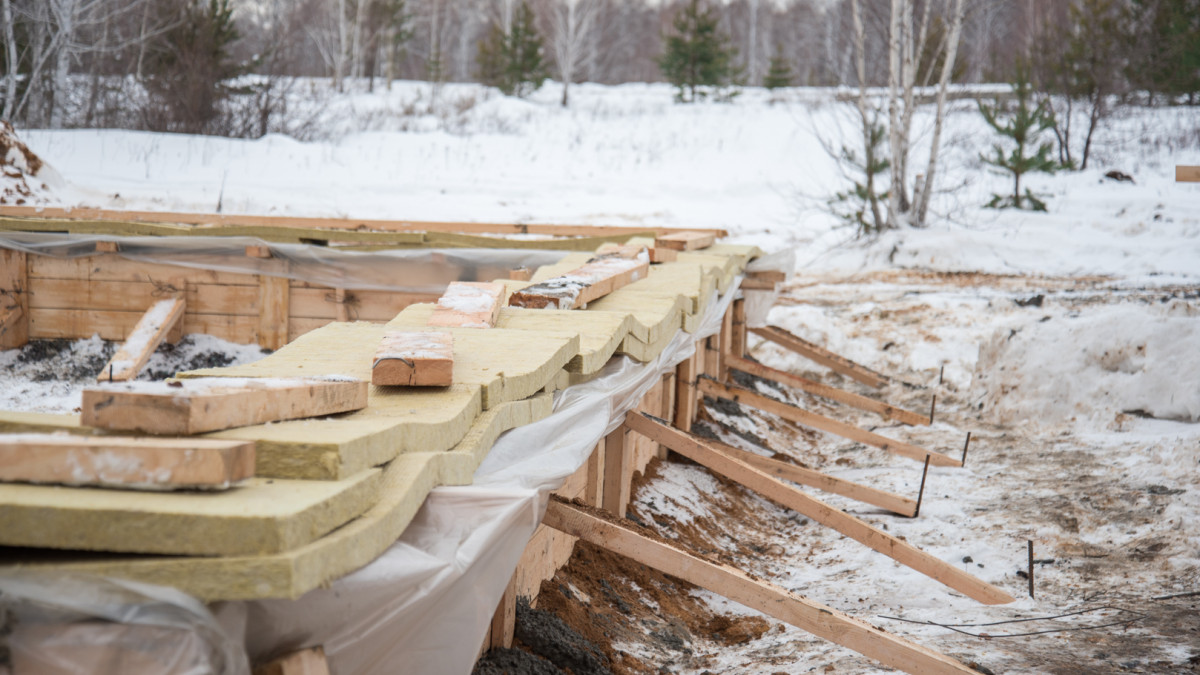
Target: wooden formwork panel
[(116, 268)]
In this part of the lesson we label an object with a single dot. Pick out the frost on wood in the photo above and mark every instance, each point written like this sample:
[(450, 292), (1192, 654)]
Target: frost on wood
[(468, 305), (595, 279), (414, 359)]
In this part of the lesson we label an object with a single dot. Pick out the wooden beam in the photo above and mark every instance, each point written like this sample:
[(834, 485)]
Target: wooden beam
[(309, 661), (414, 359), (826, 424), (595, 279), (273, 296), (131, 463), (107, 247), (215, 220), (214, 403), (825, 391), (685, 392), (821, 481), (14, 299), (820, 620), (1187, 174), (698, 450), (504, 621), (737, 344), (749, 284), (467, 304), (767, 276), (155, 325), (520, 274), (618, 471), (821, 355), (689, 240)]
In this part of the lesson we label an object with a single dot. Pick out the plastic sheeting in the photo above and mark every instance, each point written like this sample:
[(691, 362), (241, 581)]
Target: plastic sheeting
[(400, 270), (61, 624), (759, 303)]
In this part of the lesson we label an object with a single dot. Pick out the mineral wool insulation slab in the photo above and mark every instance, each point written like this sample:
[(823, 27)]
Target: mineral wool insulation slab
[(260, 516), (492, 366), (599, 332), (404, 483)]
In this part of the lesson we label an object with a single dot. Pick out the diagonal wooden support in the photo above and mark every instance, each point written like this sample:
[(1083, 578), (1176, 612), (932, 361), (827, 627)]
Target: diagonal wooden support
[(808, 350), (711, 387), (821, 481), (820, 620), (700, 451), (826, 391), (145, 337)]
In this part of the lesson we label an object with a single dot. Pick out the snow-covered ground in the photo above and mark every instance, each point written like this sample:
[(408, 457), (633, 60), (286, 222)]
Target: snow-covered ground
[(1068, 341)]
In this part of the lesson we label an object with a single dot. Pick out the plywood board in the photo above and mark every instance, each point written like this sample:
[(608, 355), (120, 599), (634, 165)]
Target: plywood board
[(123, 462), (404, 484), (212, 404)]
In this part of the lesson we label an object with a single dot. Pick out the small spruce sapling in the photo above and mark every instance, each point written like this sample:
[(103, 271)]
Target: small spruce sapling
[(861, 206), (1022, 121), (513, 62), (698, 56), (779, 72)]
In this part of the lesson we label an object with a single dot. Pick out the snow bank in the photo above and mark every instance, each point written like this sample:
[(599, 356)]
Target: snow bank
[(24, 177), (1126, 358)]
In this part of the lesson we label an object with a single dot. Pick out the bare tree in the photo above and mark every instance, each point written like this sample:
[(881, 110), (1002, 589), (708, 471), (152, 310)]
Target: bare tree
[(923, 195), (10, 78), (572, 24)]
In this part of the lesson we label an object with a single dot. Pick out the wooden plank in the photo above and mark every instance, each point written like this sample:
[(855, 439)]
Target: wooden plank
[(698, 450), (685, 393), (751, 284), (1187, 174), (150, 331), (826, 424), (618, 471), (821, 355), (107, 247), (116, 268), (14, 299), (414, 359), (818, 619), (689, 240), (114, 461), (137, 296), (504, 621), (272, 311), (211, 404), (767, 276), (311, 302), (594, 492), (595, 279), (309, 661), (825, 391), (821, 481), (723, 345), (737, 341), (467, 304), (238, 220)]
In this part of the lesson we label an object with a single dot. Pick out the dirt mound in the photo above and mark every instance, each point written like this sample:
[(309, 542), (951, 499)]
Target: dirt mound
[(547, 636), (24, 177), (514, 662)]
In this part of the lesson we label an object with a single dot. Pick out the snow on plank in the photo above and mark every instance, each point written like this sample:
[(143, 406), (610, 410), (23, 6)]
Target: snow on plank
[(657, 254), (468, 304), (685, 241), (700, 451), (149, 332), (595, 279), (215, 403), (414, 359), (129, 463), (596, 527)]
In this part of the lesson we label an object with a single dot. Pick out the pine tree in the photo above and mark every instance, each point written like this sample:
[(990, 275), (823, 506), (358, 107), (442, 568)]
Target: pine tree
[(1022, 121), (697, 55), (513, 63), (189, 67), (779, 72), (1169, 43)]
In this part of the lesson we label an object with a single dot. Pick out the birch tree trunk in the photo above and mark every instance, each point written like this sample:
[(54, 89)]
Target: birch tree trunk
[(339, 61), (10, 79), (860, 63), (894, 109), (956, 24), (65, 16)]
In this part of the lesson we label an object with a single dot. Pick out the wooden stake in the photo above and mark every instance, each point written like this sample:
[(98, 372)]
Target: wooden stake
[(921, 493), (818, 619), (145, 337), (273, 296), (14, 299), (966, 445), (700, 451), (215, 403), (799, 415), (1030, 542), (737, 345), (618, 471), (822, 481), (130, 463), (821, 355), (932, 408), (685, 393), (825, 391)]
